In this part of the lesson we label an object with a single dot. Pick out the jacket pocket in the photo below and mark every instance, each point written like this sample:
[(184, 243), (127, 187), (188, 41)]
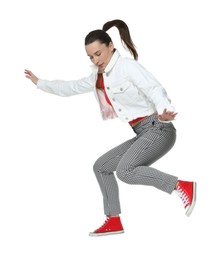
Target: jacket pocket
[(125, 92), (120, 89)]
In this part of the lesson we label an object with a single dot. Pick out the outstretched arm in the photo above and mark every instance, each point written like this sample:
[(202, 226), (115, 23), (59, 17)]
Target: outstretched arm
[(62, 87)]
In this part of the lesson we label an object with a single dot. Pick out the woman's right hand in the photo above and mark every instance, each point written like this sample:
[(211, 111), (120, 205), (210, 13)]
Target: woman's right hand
[(31, 76)]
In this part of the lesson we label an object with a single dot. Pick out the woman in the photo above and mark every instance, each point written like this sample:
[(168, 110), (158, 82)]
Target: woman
[(125, 89)]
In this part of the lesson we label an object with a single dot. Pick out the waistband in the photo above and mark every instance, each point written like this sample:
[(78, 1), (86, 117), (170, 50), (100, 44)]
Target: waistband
[(136, 121), (152, 121), (147, 120)]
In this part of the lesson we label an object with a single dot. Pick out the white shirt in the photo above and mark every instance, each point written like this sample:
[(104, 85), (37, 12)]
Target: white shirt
[(133, 91)]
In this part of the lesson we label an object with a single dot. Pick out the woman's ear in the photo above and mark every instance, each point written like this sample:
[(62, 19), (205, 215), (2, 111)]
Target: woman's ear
[(111, 46)]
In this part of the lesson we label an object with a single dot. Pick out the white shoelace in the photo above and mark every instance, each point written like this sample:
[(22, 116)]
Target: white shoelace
[(183, 196), (104, 224)]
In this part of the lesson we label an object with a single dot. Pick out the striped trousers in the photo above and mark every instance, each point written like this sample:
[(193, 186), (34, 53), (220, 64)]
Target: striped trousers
[(131, 160)]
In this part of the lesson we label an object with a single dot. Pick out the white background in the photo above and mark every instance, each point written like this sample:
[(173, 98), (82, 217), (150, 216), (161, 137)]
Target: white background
[(49, 197)]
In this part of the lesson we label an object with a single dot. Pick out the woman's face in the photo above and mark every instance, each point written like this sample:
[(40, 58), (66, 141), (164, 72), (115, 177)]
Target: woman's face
[(100, 54)]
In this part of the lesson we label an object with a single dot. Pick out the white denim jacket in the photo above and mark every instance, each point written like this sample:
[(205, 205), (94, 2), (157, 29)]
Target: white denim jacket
[(133, 91)]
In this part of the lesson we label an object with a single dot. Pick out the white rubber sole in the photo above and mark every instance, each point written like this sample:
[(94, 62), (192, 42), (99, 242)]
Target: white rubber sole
[(92, 234), (191, 207)]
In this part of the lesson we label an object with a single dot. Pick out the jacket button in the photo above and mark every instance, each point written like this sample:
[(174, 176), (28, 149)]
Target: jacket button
[(108, 88), (119, 109), (121, 89)]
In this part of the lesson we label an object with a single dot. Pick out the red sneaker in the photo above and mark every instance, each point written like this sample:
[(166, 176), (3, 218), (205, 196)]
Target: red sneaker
[(187, 192), (111, 226)]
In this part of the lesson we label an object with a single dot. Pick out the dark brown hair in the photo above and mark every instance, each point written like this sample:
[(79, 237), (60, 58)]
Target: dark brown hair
[(103, 37)]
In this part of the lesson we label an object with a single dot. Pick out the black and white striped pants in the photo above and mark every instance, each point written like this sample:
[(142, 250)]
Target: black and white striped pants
[(131, 161)]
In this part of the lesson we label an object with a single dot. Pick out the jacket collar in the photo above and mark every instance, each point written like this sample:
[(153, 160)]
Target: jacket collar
[(110, 65)]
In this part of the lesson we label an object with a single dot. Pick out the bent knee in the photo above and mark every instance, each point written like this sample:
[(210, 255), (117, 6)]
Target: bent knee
[(99, 167)]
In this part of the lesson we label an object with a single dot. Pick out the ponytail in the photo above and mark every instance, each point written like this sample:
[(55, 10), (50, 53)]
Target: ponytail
[(124, 34)]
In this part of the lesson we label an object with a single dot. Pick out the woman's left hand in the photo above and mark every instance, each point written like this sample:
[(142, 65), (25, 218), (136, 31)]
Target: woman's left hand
[(167, 115)]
